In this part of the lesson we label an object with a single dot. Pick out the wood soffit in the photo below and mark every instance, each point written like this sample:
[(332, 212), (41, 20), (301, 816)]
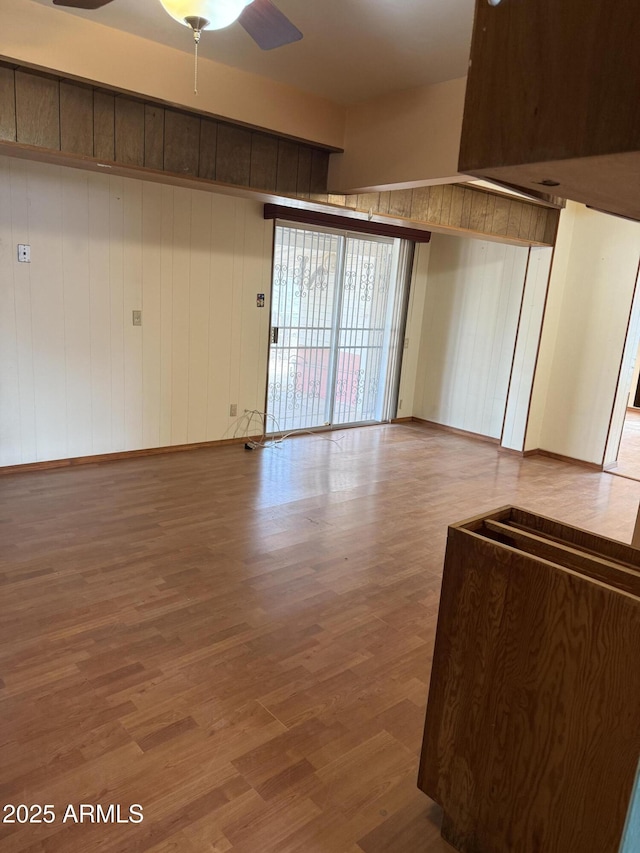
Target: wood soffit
[(47, 118)]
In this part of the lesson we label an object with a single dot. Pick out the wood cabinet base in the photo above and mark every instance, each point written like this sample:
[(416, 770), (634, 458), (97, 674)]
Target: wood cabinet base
[(532, 742)]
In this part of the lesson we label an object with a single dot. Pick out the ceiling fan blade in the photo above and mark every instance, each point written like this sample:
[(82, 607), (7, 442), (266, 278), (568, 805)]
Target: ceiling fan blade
[(82, 4), (267, 26)]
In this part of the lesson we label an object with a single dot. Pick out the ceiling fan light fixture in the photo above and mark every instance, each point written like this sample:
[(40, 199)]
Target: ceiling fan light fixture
[(217, 14)]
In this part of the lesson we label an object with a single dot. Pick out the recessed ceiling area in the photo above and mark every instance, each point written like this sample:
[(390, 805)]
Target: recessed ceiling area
[(352, 50)]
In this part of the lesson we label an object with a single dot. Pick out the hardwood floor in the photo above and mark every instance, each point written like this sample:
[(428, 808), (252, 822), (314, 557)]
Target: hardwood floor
[(629, 453), (240, 641)]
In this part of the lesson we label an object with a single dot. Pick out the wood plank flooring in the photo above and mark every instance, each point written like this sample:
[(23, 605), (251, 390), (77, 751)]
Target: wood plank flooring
[(629, 453), (241, 641)]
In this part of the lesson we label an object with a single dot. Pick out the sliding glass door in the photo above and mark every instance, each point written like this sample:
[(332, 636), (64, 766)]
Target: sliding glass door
[(336, 326)]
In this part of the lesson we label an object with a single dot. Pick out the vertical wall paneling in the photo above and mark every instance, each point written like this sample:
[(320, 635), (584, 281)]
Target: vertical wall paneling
[(319, 171), (153, 136), (86, 380), (180, 326), (132, 265), (237, 300), (400, 202), (221, 283), (23, 291), (208, 149), (44, 200), (233, 155), (264, 161), (104, 126), (525, 356), (129, 131), (199, 366), (252, 347), (100, 329), (76, 119), (181, 142), (116, 313), (303, 180), (596, 288), (151, 305), (434, 210), (624, 382), (7, 104), (507, 314), (287, 177), (37, 110), (471, 309), (166, 315), (410, 391), (10, 416), (77, 311)]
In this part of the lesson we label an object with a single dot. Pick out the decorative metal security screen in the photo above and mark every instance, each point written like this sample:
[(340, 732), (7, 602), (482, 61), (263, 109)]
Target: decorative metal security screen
[(334, 328), (369, 273)]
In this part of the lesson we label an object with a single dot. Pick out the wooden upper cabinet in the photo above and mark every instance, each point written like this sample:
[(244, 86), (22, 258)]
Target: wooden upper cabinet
[(552, 100)]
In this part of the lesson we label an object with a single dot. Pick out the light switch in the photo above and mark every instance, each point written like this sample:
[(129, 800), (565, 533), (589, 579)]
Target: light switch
[(137, 318), (24, 253)]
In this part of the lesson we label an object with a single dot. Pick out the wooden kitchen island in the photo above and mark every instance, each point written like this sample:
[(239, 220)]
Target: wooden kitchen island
[(532, 733)]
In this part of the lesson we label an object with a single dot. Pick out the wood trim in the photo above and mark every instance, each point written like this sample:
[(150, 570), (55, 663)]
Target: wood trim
[(101, 458), (158, 140), (592, 466), (615, 393), (115, 91), (635, 539), (462, 208), (145, 135), (455, 431), (519, 453), (537, 359), (513, 356), (346, 223)]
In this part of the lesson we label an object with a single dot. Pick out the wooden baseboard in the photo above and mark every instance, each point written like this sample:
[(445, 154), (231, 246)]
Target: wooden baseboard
[(402, 420), (592, 466), (511, 451), (455, 431), (102, 458)]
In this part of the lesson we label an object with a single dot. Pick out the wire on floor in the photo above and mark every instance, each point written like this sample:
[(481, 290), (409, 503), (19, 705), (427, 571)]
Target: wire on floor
[(242, 426)]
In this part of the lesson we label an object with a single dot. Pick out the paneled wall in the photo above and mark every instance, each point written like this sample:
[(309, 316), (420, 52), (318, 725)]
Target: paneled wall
[(76, 377), (592, 284), (97, 125), (471, 309), (526, 349)]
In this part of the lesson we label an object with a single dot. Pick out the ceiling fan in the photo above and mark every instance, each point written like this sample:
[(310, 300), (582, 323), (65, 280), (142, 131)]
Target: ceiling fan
[(262, 20)]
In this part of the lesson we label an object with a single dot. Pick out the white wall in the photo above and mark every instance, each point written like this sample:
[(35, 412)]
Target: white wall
[(399, 139), (413, 331), (526, 349), (38, 35), (76, 377), (624, 383), (591, 289), (635, 376), (471, 308)]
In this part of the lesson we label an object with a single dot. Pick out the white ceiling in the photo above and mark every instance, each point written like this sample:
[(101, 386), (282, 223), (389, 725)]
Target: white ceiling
[(352, 50)]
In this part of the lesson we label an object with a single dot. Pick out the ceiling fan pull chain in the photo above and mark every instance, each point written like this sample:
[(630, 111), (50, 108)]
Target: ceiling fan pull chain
[(195, 69), (197, 24)]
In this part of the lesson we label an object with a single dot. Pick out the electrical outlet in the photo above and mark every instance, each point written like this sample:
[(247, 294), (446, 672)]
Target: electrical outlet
[(233, 410), (137, 318)]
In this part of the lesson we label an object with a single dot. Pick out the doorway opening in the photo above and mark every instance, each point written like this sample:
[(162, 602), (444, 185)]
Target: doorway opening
[(338, 310), (622, 452)]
